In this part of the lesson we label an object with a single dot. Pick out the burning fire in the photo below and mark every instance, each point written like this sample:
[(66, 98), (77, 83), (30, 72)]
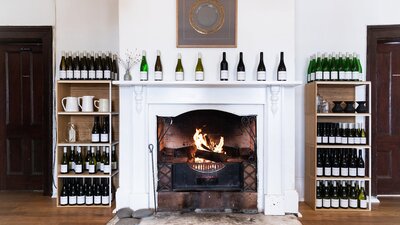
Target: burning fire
[(202, 142)]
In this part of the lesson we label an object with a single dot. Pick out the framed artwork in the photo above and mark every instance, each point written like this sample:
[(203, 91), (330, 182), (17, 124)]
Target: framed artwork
[(206, 23)]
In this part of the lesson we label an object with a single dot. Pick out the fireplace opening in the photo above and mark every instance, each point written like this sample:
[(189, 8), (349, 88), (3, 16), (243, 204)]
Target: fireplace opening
[(205, 151)]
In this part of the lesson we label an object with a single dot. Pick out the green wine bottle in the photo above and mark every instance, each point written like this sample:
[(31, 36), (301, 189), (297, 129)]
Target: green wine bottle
[(326, 67), (144, 68), (360, 72), (362, 197), (348, 67), (199, 73), (341, 69), (318, 68), (179, 73), (334, 68)]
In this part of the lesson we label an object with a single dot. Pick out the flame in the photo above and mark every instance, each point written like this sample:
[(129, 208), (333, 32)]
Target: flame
[(200, 140)]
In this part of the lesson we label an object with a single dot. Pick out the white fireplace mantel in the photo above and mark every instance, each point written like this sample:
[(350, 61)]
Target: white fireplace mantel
[(272, 102)]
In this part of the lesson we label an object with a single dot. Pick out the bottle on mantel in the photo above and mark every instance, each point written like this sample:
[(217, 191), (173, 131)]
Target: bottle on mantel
[(261, 71), (144, 68), (158, 73), (224, 72), (179, 73), (282, 76), (199, 73), (63, 67), (241, 70)]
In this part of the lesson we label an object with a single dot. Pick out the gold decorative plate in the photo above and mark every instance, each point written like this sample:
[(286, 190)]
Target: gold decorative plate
[(207, 16)]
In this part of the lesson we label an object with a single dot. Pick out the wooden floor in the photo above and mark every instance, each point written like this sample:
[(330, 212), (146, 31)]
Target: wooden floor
[(22, 208)]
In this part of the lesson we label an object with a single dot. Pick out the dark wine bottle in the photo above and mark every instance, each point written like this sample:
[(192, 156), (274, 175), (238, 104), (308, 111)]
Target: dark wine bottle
[(98, 158), (353, 163), (320, 165), (84, 66), (78, 162), (87, 159), (344, 199), (261, 71), (327, 164), (69, 65), (158, 72), (318, 202), (63, 67), (89, 194), (72, 195), (72, 159), (241, 70), (353, 196), (99, 67), (107, 166), (338, 137), (76, 67), (326, 200), (80, 199), (335, 196), (114, 164), (224, 72), (97, 194), (106, 67), (332, 137), (92, 162), (344, 167), (319, 133), (64, 194), (360, 165), (91, 67), (335, 163), (96, 130), (105, 198), (282, 76), (115, 67), (64, 162), (104, 135)]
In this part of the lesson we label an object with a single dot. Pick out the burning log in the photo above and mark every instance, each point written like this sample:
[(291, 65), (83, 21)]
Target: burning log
[(212, 156)]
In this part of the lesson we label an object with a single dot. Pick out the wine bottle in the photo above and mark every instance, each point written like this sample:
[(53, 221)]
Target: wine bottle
[(326, 200), (332, 137), (362, 196), (327, 164), (106, 67), (310, 69), (110, 62), (335, 196), (261, 71), (91, 67), (78, 162), (344, 134), (96, 130), (224, 72), (318, 202), (103, 159), (318, 68), (99, 67), (320, 165), (114, 165), (115, 67), (89, 194), (76, 68), (84, 66), (98, 158), (350, 136), (363, 138), (144, 68), (347, 67), (63, 67), (64, 194), (72, 159), (319, 133), (360, 165), (199, 73), (353, 196), (179, 74), (341, 69), (326, 67), (241, 70), (64, 162), (353, 163), (335, 164), (104, 134), (158, 74), (334, 68), (105, 198), (338, 137), (282, 76), (72, 195), (344, 199), (69, 65), (80, 199), (107, 166), (325, 134), (97, 195), (357, 134), (359, 67), (92, 162), (87, 159), (344, 167)]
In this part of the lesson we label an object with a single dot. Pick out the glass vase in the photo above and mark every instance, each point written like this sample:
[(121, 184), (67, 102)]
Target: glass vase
[(127, 75)]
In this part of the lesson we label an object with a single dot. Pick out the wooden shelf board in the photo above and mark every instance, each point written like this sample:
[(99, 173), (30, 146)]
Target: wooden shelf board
[(354, 83), (87, 113), (344, 178), (343, 146), (85, 144), (342, 114), (84, 81), (87, 175), (343, 210)]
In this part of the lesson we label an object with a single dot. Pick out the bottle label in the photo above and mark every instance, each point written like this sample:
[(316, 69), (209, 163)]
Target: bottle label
[(107, 74), (326, 75), (114, 165), (344, 140), (319, 139), (72, 200), (70, 74), (319, 75), (63, 75), (353, 172), (320, 171), (261, 75), (363, 204), (282, 75), (104, 137), (92, 74), (336, 171), (98, 165), (332, 140), (224, 75), (350, 140), (326, 203), (312, 78), (105, 200), (335, 203), (78, 168), (89, 200), (179, 76), (338, 140), (80, 200), (77, 74), (144, 76), (73, 165), (99, 74), (97, 199), (357, 140), (101, 166), (328, 171), (199, 76), (348, 75), (353, 203), (342, 75), (361, 172), (363, 141), (334, 75), (355, 75), (241, 76), (158, 75), (63, 200), (325, 140), (107, 168), (91, 169), (308, 78), (64, 168), (361, 77), (344, 203), (87, 165), (84, 74), (344, 172), (95, 137), (318, 203)]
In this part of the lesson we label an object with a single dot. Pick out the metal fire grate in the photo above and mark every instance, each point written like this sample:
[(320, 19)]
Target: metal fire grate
[(207, 167)]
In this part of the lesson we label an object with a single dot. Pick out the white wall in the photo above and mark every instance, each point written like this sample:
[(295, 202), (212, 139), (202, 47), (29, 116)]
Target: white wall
[(27, 12), (333, 26)]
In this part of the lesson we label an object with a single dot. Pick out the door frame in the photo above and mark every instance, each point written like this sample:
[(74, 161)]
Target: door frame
[(377, 34), (43, 35)]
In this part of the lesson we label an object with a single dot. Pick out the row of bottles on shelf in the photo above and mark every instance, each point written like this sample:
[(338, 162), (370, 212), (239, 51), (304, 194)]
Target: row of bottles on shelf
[(94, 162), (199, 70), (100, 130), (341, 133), (84, 66), (340, 162), (334, 67), (88, 191), (344, 194)]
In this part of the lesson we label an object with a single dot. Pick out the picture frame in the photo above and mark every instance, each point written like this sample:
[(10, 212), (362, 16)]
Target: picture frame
[(206, 23)]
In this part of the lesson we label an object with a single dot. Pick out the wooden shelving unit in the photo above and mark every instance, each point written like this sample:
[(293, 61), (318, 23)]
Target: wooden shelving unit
[(84, 123), (334, 91)]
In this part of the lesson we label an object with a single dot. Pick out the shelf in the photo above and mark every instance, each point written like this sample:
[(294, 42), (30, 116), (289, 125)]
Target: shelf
[(343, 210), (87, 175), (87, 113), (354, 83), (342, 114), (345, 178), (84, 81), (84, 206), (85, 144), (343, 146)]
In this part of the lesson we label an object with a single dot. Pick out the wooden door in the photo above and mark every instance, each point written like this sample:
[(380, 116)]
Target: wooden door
[(386, 125), (25, 108)]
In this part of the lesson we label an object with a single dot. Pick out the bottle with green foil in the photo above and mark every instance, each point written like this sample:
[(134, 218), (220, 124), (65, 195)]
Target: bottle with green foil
[(334, 69), (341, 69), (179, 73), (362, 197), (326, 67), (309, 69), (199, 73), (144, 68), (348, 67), (318, 68)]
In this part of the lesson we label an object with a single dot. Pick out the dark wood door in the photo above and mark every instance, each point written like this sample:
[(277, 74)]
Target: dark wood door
[(23, 116)]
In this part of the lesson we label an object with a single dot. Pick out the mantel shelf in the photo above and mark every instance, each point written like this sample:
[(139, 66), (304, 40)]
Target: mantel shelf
[(206, 84)]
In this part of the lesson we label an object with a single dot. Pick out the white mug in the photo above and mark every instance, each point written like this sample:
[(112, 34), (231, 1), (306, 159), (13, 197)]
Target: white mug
[(71, 104), (102, 105), (87, 103)]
